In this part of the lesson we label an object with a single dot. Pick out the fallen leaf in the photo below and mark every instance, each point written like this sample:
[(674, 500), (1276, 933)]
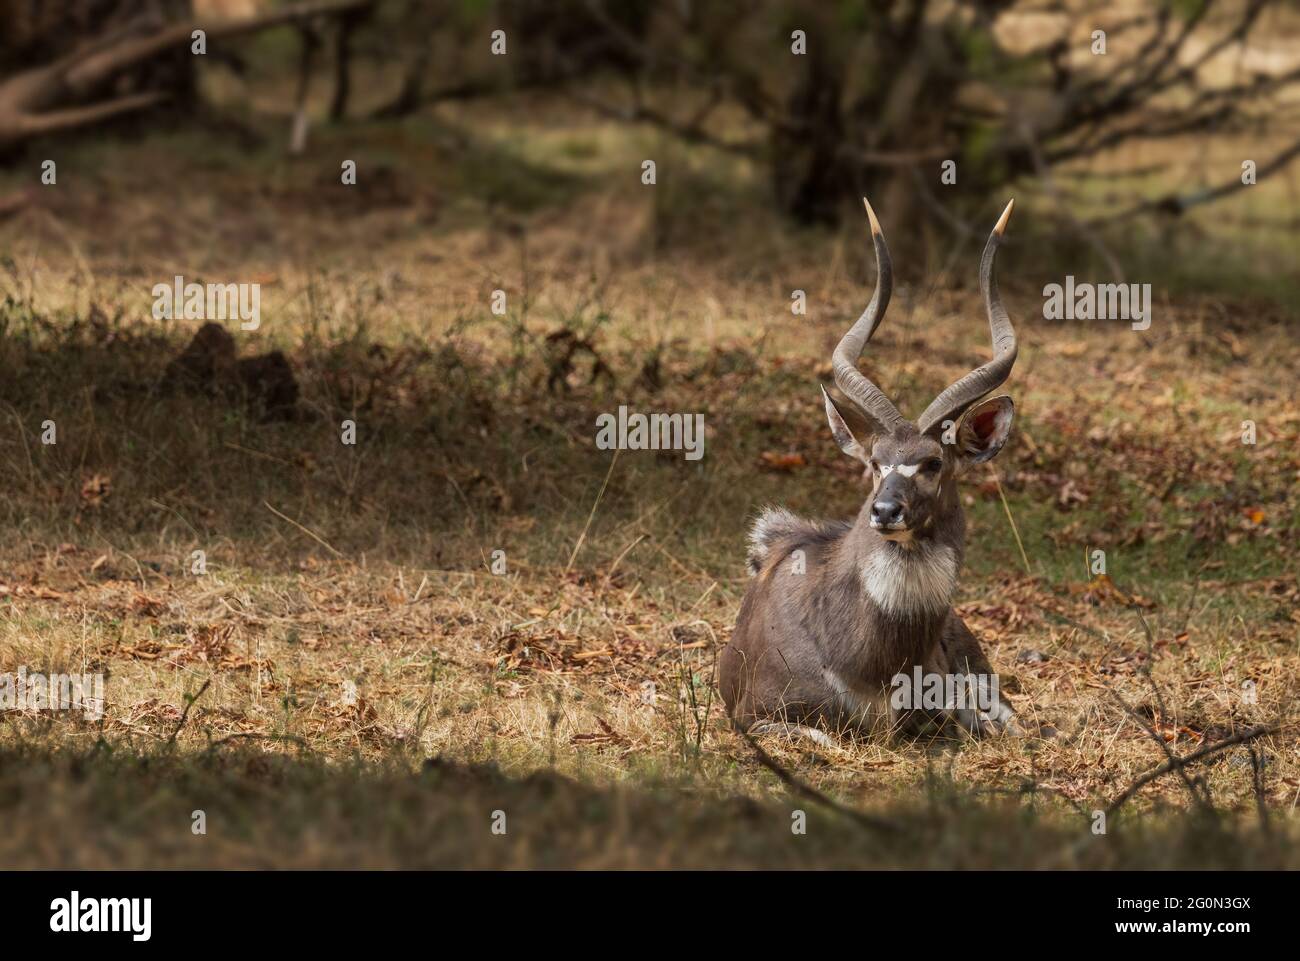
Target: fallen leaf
[(781, 462), (95, 490)]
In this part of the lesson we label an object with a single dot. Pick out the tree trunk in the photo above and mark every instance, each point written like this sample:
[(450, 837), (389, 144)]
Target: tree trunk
[(103, 69), (38, 32), (809, 173)]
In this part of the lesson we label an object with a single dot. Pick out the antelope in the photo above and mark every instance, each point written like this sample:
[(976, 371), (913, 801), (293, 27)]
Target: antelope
[(838, 611)]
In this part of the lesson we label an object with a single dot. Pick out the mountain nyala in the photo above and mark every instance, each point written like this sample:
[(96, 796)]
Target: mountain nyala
[(842, 617)]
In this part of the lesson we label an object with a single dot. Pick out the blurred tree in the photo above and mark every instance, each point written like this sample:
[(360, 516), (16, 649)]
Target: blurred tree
[(71, 63), (443, 45), (39, 32), (890, 86)]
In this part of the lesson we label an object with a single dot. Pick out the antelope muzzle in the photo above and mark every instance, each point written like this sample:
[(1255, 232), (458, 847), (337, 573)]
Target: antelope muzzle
[(890, 508)]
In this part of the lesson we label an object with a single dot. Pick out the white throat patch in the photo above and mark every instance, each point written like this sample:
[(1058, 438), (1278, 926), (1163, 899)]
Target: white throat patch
[(911, 580)]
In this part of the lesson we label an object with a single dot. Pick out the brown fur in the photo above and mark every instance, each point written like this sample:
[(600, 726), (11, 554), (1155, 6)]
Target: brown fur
[(815, 648)]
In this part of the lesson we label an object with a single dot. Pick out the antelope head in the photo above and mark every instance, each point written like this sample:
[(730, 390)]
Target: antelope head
[(913, 467)]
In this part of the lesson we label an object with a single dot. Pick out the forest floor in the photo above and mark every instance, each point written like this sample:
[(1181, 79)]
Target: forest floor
[(358, 677)]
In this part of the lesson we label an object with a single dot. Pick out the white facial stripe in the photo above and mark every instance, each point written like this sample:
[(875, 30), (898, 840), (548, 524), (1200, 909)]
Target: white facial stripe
[(907, 470)]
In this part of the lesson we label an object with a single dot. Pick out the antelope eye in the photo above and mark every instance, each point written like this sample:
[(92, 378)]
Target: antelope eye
[(933, 465)]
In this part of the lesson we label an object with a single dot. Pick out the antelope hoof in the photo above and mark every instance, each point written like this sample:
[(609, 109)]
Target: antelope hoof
[(1001, 722), (1010, 726)]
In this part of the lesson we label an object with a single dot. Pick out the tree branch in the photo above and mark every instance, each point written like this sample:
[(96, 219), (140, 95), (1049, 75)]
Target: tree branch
[(1180, 762), (43, 99), (1176, 204)]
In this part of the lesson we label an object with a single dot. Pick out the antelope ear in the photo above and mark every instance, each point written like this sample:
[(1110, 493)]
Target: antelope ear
[(840, 429), (984, 430)]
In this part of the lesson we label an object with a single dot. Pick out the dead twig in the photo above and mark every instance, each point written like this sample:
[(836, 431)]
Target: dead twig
[(253, 735), (1197, 793), (1180, 762), (310, 533), (871, 821), (1261, 803), (189, 703)]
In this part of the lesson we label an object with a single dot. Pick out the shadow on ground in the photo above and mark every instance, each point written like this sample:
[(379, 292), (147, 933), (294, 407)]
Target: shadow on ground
[(263, 809)]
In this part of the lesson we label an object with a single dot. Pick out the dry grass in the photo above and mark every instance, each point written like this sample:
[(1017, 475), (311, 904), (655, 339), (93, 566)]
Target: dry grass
[(332, 566)]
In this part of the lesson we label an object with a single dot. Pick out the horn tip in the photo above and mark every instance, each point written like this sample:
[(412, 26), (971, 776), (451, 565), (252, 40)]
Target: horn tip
[(1001, 227), (871, 215), (827, 401)]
